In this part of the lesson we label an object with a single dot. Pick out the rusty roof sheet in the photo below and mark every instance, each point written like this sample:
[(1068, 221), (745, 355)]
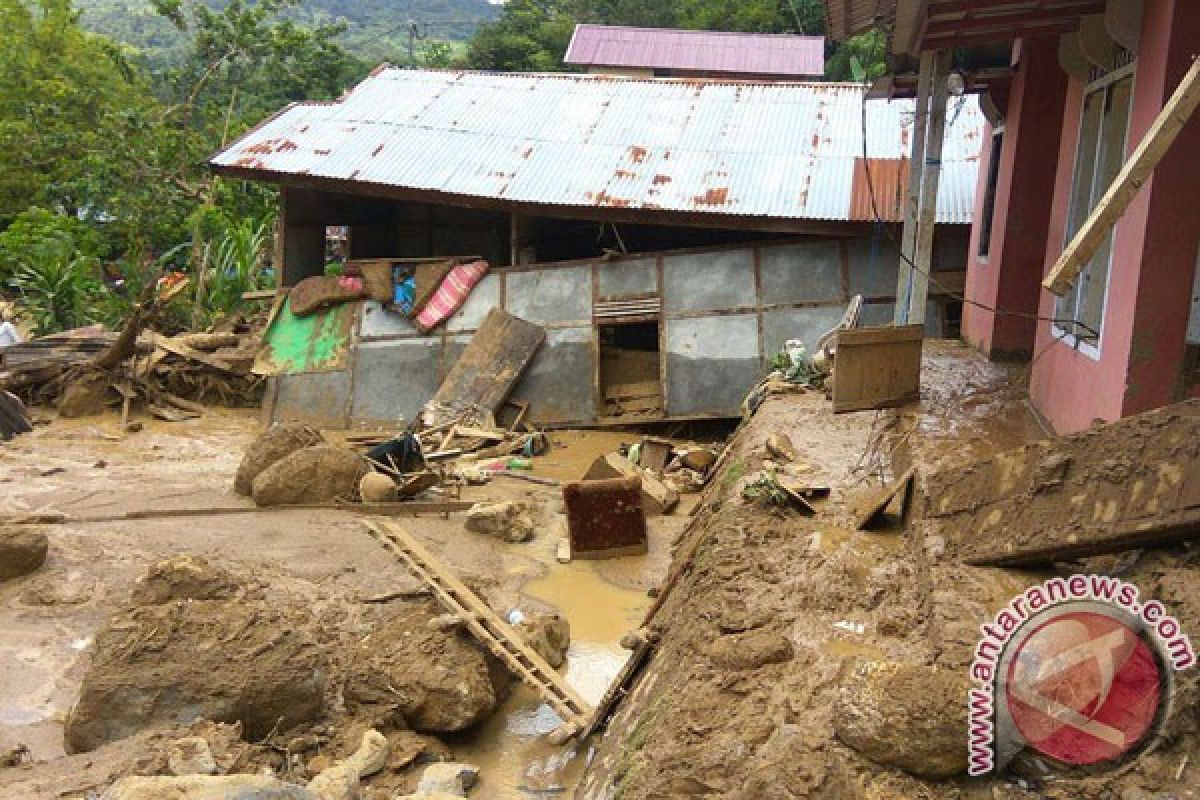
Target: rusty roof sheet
[(775, 150), (787, 55)]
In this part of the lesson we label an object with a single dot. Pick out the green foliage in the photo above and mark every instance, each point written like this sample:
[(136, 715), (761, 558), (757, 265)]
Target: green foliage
[(58, 290), (767, 490), (374, 30), (37, 234), (859, 59), (234, 263)]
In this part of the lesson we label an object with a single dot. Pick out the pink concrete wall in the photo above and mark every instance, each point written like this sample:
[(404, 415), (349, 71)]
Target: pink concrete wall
[(1141, 345), (1008, 278)]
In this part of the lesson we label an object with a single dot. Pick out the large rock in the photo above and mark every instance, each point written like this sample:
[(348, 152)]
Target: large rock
[(270, 446), (242, 656), (508, 520), (22, 550), (549, 635), (319, 474), (906, 715), (207, 787), (438, 679)]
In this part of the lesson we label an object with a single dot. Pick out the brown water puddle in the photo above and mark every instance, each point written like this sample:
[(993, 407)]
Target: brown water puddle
[(514, 757)]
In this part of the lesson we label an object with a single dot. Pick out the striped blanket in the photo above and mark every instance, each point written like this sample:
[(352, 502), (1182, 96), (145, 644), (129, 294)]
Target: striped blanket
[(451, 294)]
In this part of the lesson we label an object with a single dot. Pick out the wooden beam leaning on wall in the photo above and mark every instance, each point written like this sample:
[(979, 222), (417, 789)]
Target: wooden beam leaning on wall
[(1129, 181)]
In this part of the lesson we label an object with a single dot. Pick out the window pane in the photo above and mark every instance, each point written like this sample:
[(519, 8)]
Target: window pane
[(1081, 188), (1094, 279)]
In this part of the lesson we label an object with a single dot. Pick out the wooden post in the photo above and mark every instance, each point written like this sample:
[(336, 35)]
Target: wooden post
[(916, 169), (514, 239), (927, 213), (1129, 181)]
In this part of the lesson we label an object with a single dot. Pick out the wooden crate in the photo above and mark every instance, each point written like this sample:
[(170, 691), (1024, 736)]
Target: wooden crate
[(877, 367)]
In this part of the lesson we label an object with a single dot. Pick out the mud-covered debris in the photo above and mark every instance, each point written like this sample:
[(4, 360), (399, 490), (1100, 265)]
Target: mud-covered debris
[(319, 474), (271, 445), (437, 680), (549, 635), (251, 658), (905, 715), (22, 550), (14, 417), (340, 782), (509, 520), (183, 577), (191, 755)]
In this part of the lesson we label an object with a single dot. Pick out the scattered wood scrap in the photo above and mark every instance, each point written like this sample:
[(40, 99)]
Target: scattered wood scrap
[(873, 510), (1130, 484)]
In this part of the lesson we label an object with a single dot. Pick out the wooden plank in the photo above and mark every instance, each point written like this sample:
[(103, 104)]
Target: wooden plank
[(1177, 528), (621, 686), (492, 632), (1129, 484), (484, 375), (183, 351), (877, 367), (870, 511), (410, 508), (1129, 181)]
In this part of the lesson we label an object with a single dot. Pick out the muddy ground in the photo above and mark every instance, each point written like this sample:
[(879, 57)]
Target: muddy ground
[(768, 630), (83, 468), (772, 617)]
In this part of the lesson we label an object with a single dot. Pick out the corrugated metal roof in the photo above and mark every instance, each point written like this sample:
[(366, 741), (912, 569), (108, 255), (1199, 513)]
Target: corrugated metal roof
[(786, 55), (777, 150)]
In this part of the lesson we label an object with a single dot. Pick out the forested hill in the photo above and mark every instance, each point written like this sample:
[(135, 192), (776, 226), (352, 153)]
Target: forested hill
[(376, 30)]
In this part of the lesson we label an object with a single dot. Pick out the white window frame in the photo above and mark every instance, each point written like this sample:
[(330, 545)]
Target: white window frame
[(1089, 348)]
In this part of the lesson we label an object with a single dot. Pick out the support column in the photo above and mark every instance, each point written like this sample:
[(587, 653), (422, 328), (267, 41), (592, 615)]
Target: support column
[(1009, 276), (302, 244), (916, 169), (927, 214)]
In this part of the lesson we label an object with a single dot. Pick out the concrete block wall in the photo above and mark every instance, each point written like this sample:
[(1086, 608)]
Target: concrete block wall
[(725, 312)]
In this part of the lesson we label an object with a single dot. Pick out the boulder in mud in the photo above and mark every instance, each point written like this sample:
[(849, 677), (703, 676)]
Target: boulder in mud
[(85, 396), (438, 680), (319, 474), (440, 781), (751, 649), (270, 446), (207, 787), (246, 657), (549, 635), (908, 716), (508, 520), (22, 550)]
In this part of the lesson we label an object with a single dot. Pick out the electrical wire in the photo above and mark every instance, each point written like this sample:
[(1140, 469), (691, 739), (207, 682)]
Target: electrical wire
[(1066, 324)]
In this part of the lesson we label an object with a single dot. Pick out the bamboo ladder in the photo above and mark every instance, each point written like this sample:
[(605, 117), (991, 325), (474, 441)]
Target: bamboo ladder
[(492, 632)]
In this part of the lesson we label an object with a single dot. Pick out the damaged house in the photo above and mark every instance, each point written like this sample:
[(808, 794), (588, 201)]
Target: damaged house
[(668, 235)]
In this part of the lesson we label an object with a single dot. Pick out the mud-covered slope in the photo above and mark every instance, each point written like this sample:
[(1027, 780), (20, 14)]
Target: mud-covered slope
[(785, 634)]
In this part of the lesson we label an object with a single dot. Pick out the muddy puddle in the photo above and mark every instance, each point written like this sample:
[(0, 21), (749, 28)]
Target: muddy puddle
[(514, 757)]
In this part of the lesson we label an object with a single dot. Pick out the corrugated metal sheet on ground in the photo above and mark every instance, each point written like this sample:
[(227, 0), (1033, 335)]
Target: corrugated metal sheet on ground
[(319, 342), (779, 150), (716, 51)]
